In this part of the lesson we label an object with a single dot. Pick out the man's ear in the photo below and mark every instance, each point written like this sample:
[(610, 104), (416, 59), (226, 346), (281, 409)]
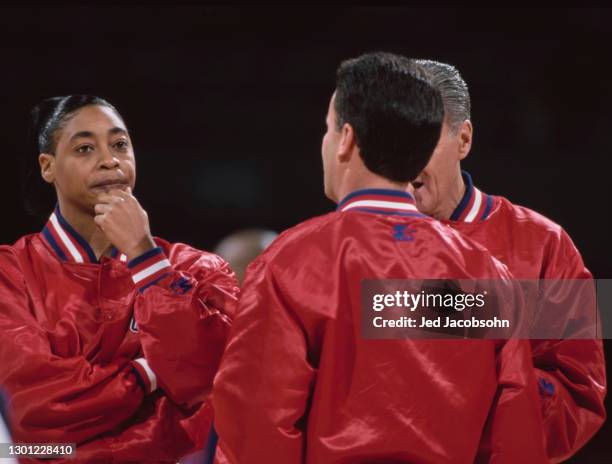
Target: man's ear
[(47, 167), (347, 143), (465, 138)]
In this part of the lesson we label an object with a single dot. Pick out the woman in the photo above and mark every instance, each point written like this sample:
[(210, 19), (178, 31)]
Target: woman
[(109, 338)]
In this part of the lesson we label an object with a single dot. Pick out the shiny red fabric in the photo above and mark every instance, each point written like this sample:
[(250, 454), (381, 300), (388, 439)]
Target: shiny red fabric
[(67, 352), (534, 247), (298, 383)]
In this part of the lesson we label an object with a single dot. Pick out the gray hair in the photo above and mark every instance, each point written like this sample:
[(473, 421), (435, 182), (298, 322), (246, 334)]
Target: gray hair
[(453, 89)]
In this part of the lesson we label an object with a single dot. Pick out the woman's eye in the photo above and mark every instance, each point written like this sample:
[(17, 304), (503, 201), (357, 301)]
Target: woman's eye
[(121, 145), (85, 149)]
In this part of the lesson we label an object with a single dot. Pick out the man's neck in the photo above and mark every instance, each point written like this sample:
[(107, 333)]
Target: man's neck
[(452, 198), (85, 226), (373, 182)]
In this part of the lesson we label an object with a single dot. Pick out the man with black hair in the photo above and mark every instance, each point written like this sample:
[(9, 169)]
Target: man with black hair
[(298, 383), (571, 373)]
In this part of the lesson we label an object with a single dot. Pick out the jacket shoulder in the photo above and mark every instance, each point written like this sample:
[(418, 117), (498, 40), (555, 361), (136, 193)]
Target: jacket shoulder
[(320, 238), (186, 256), (528, 217), (14, 260), (298, 240), (12, 253), (553, 238)]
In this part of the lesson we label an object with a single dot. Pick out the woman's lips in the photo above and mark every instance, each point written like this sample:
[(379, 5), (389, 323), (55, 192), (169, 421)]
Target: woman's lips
[(108, 186)]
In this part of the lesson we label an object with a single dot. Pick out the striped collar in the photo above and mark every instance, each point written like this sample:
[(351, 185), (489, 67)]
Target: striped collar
[(474, 206), (68, 244), (380, 201)]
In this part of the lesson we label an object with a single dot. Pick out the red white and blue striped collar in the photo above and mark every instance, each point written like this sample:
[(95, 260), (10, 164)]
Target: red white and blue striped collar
[(475, 205), (380, 201), (68, 244)]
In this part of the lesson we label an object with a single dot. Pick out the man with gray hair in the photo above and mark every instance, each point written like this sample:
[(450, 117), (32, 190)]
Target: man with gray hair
[(571, 373)]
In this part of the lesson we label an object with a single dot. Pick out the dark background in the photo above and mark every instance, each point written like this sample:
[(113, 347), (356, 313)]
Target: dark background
[(226, 107)]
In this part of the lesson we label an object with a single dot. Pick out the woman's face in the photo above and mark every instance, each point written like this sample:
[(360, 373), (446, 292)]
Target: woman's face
[(93, 155)]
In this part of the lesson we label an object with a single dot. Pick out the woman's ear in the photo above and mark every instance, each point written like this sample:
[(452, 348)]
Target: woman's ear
[(47, 167)]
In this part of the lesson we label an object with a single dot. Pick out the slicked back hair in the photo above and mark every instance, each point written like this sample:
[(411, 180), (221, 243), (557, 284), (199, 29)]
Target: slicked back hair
[(395, 112), (452, 88)]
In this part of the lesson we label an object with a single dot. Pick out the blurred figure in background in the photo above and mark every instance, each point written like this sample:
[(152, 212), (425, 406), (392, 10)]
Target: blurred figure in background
[(240, 248)]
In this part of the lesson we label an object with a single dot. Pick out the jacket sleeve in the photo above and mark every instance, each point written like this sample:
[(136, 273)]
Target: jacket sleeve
[(570, 373), (265, 380), (183, 311), (55, 399), (513, 432)]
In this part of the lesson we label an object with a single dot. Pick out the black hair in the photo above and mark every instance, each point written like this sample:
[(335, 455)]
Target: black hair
[(395, 112), (452, 88), (47, 118)]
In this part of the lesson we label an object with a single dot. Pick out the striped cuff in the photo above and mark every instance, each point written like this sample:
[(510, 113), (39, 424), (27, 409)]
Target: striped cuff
[(148, 268), (146, 374)]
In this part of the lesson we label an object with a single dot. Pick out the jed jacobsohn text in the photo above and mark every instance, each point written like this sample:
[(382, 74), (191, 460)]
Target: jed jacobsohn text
[(443, 322)]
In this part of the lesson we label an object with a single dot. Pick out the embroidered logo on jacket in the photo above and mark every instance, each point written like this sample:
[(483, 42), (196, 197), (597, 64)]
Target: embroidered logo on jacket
[(181, 286), (403, 233), (545, 387)]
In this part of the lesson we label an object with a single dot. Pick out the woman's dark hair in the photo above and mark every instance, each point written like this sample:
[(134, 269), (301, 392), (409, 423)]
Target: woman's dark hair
[(395, 112), (49, 117)]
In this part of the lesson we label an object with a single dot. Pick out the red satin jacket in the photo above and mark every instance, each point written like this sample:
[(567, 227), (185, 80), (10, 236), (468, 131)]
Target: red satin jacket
[(571, 373), (299, 384), (117, 357)]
